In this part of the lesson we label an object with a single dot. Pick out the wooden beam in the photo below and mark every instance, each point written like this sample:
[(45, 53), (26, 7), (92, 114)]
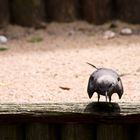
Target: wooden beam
[(62, 10), (28, 12), (128, 11), (97, 11), (4, 13), (71, 112)]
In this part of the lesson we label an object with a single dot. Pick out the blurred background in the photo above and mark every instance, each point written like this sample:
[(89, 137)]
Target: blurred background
[(45, 44), (36, 12)]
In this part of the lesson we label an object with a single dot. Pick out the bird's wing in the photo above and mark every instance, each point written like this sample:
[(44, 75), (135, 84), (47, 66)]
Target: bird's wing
[(91, 86), (119, 88)]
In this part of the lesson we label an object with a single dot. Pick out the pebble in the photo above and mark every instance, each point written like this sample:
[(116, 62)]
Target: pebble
[(109, 34), (3, 39), (126, 31)]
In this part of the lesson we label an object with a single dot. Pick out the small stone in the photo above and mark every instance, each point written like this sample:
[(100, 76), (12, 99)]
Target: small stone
[(126, 31), (109, 34), (3, 39)]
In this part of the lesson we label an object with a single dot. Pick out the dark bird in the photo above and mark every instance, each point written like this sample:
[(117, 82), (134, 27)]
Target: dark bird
[(104, 82)]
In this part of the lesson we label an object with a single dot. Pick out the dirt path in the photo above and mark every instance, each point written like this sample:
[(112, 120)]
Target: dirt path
[(54, 69)]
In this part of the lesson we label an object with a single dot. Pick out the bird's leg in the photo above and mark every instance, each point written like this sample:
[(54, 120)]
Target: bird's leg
[(98, 97), (106, 96), (110, 99)]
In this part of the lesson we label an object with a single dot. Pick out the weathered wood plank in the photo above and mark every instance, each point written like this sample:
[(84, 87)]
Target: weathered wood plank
[(112, 132), (62, 10), (96, 11), (4, 13), (69, 131), (70, 112), (10, 132), (129, 10), (28, 12), (78, 131), (40, 131), (137, 133), (125, 108)]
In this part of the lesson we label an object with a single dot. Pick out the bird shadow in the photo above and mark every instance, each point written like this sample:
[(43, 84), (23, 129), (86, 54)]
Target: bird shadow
[(103, 107)]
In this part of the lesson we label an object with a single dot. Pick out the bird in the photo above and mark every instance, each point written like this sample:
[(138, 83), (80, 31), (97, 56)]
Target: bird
[(104, 81)]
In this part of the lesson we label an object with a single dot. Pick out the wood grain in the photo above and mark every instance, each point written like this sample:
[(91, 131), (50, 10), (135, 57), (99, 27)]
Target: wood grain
[(72, 112)]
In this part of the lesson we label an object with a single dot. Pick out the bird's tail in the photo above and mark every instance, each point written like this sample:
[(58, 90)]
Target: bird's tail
[(92, 65)]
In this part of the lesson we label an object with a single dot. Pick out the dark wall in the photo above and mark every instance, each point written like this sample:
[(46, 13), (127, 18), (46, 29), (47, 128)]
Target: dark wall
[(4, 12), (28, 12), (129, 10), (36, 12)]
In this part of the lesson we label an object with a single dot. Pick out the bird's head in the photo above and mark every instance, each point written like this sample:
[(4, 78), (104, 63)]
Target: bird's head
[(105, 84)]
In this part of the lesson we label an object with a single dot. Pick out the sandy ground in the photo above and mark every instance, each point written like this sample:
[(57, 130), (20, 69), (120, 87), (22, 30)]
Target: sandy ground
[(36, 72)]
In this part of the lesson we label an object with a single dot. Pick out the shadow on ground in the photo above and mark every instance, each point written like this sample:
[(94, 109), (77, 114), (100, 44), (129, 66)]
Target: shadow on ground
[(103, 107)]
